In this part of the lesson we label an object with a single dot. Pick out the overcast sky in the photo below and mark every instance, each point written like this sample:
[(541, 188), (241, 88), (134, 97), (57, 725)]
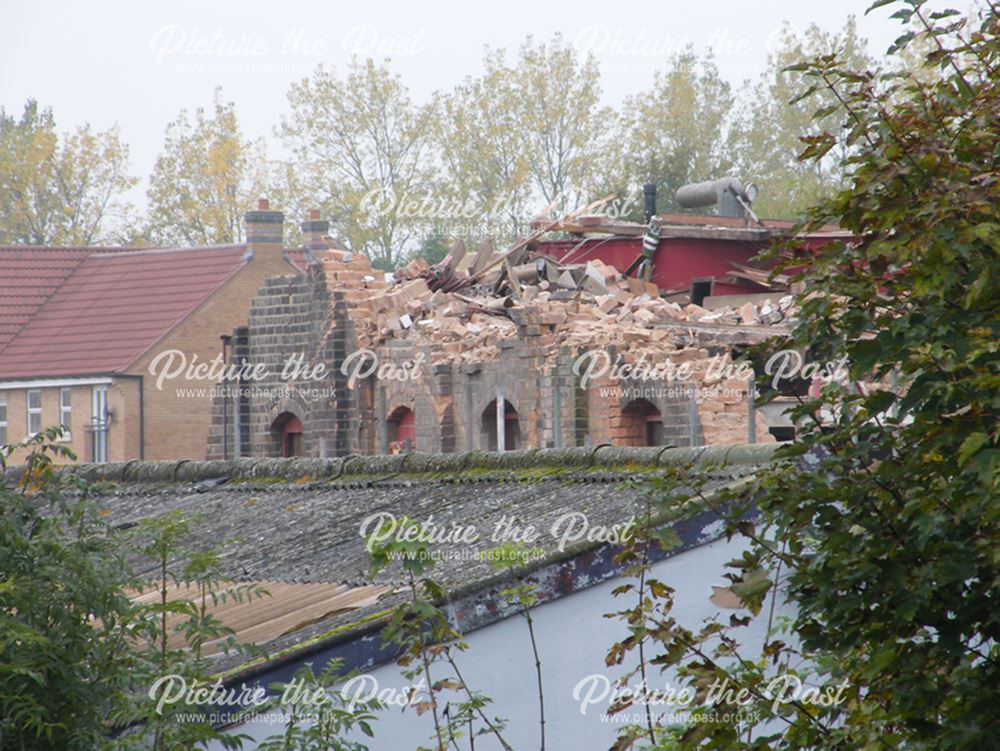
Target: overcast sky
[(138, 64)]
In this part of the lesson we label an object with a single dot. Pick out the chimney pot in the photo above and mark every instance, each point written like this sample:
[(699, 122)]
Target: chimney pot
[(264, 230), (314, 231)]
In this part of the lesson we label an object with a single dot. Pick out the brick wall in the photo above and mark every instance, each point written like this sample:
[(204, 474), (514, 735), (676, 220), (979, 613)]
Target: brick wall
[(123, 434), (454, 398), (177, 420), (311, 316)]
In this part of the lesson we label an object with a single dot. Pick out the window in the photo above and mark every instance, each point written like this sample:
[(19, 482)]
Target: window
[(66, 411), (511, 428), (34, 412), (288, 429), (641, 425), (3, 419), (99, 424)]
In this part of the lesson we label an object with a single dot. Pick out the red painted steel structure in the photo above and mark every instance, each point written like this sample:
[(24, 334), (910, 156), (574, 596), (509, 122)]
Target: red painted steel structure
[(692, 248), (678, 260)]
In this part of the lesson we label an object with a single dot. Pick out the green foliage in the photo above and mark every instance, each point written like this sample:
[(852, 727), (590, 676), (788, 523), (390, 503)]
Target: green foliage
[(902, 508), (160, 540), (60, 189), (426, 638), (485, 161), (562, 122), (433, 248), (771, 119), (359, 146), (880, 525), (78, 655), (672, 134), (648, 620), (64, 620), (318, 724)]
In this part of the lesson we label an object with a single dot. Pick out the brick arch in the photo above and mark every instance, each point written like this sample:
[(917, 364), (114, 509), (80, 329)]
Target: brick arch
[(287, 417), (512, 427), (640, 424), (288, 404), (398, 396), (287, 430), (401, 392), (667, 418), (401, 428)]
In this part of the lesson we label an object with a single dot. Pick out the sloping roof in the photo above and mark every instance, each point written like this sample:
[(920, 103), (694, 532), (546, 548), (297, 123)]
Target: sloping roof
[(298, 258), (299, 520), (29, 275), (111, 307)]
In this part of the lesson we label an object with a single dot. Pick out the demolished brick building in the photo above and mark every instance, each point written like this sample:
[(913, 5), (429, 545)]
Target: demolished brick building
[(573, 354)]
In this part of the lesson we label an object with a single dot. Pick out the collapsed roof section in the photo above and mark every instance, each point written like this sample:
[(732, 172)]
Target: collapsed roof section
[(580, 289)]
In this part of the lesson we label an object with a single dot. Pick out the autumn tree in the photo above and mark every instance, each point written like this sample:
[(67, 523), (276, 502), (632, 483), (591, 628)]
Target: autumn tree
[(526, 133), (765, 137), (66, 189), (207, 177), (482, 146), (359, 148), (673, 133), (558, 105)]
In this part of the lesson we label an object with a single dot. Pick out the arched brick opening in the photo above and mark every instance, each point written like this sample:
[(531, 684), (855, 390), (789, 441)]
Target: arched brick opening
[(640, 425), (512, 427), (287, 432), (402, 430)]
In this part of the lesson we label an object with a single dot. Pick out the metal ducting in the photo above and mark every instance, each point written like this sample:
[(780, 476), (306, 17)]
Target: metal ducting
[(649, 201), (725, 194)]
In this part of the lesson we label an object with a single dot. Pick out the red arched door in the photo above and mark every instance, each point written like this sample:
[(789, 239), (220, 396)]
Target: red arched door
[(402, 430), (288, 428)]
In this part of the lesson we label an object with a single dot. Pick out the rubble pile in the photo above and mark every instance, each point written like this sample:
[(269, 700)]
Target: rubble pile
[(589, 304), (471, 301)]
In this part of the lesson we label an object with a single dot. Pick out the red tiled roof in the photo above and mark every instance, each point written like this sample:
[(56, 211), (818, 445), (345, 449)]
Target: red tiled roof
[(106, 311), (28, 277), (297, 257)]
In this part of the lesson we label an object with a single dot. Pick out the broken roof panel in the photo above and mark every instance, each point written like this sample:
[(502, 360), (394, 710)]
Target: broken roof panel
[(301, 521), (282, 608)]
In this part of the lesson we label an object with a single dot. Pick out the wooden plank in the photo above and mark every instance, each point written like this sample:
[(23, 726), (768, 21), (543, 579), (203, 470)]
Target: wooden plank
[(514, 283), (520, 244), (289, 607), (483, 256)]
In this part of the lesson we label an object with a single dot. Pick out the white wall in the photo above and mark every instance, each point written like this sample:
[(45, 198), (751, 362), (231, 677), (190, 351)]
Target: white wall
[(574, 638)]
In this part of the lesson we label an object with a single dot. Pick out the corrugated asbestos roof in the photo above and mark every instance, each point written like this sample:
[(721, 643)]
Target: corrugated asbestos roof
[(284, 609), (297, 521)]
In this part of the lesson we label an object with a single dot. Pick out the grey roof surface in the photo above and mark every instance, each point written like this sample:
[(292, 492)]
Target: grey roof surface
[(305, 526), (299, 520)]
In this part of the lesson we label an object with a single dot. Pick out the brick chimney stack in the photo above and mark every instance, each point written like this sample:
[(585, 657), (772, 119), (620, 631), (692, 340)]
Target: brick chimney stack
[(314, 231), (265, 230)]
